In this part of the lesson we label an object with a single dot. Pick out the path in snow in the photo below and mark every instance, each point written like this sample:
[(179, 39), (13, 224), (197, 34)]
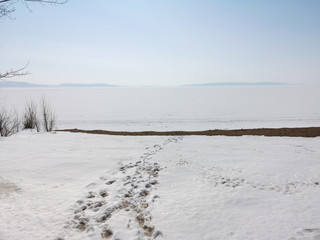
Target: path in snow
[(227, 177), (119, 205)]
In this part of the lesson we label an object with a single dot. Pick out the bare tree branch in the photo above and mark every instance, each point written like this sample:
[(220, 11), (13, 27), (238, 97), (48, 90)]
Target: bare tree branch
[(14, 73), (43, 1), (6, 6), (56, 2), (6, 9)]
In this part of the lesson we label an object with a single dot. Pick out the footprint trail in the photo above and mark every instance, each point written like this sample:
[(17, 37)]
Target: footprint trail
[(119, 205)]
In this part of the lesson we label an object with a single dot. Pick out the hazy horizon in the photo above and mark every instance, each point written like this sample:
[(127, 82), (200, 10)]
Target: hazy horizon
[(165, 43), (22, 84)]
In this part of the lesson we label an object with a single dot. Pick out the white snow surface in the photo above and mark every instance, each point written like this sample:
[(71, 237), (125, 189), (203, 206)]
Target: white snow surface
[(81, 186)]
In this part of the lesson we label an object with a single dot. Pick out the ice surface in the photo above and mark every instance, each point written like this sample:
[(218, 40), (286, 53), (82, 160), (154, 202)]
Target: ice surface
[(78, 186), (175, 108)]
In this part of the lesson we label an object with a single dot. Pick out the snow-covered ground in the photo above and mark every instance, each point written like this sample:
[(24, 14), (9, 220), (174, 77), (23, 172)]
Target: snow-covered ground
[(79, 186)]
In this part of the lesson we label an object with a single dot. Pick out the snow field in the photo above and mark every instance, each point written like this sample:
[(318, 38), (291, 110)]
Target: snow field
[(79, 186), (239, 188), (53, 171)]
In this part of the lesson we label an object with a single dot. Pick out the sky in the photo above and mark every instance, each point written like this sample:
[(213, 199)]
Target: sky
[(164, 43)]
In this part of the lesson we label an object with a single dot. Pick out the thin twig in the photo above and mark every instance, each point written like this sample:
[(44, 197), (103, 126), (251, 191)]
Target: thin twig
[(15, 73)]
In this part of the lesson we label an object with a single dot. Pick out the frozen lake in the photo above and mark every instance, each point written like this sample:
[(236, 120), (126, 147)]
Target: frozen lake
[(175, 108)]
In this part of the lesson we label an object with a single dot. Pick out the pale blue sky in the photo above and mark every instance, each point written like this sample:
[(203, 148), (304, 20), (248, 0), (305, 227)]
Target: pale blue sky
[(166, 42)]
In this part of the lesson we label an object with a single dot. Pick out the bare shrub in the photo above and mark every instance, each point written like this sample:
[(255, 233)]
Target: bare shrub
[(48, 116), (30, 120), (9, 123), (16, 122)]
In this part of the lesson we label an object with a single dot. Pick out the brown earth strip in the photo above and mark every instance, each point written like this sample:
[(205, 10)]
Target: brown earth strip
[(270, 132)]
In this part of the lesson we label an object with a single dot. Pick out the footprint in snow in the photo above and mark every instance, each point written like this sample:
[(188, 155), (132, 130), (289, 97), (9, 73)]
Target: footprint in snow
[(307, 234), (138, 182), (158, 235)]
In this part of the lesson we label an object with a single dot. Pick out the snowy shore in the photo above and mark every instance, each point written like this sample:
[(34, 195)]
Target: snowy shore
[(80, 186)]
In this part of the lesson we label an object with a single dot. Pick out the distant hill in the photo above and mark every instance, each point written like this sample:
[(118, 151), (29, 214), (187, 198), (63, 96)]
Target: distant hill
[(224, 84), (86, 85), (14, 84)]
